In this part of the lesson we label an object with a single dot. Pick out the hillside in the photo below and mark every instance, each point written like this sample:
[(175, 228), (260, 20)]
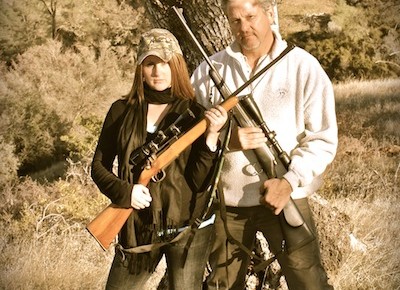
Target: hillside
[(292, 14)]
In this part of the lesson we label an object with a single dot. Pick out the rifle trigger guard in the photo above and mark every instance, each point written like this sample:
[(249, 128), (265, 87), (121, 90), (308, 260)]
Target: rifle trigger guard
[(159, 176)]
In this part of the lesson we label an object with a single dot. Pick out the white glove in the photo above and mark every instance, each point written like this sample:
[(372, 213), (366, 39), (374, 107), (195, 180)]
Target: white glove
[(140, 197)]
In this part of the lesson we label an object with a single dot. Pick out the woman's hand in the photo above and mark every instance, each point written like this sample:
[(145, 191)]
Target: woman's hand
[(140, 197), (216, 118)]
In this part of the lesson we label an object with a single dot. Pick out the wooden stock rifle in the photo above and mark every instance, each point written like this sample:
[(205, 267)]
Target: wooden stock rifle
[(107, 224)]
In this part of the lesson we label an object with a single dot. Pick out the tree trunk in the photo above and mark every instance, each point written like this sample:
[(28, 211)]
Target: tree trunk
[(52, 9), (205, 19)]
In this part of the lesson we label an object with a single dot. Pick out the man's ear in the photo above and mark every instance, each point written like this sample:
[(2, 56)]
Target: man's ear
[(270, 15)]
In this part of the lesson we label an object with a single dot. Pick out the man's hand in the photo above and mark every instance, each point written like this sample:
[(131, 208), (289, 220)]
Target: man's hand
[(251, 137), (276, 194)]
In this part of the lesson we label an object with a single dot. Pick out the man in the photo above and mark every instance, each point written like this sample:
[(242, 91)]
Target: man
[(296, 100)]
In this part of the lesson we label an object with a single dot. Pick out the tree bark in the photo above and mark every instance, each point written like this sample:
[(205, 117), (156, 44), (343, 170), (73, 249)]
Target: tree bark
[(205, 19)]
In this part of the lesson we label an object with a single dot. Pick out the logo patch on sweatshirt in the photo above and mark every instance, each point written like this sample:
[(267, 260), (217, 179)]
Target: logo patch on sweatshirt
[(281, 93)]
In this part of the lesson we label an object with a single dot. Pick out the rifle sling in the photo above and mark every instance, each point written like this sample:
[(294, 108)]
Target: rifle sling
[(213, 188), (191, 229)]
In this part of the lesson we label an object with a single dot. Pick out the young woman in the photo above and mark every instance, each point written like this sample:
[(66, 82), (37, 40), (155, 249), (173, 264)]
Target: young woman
[(161, 92)]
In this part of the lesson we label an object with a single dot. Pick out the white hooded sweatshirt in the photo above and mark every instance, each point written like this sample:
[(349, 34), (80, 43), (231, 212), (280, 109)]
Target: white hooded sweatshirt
[(296, 100)]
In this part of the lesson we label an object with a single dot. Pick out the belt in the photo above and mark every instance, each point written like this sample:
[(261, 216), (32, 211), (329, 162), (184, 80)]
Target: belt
[(204, 224)]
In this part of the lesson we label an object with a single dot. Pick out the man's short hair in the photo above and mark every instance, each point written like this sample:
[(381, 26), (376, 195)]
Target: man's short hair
[(265, 4)]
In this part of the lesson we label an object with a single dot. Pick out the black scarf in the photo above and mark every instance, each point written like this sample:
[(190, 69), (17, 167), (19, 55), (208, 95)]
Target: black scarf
[(158, 97), (133, 130), (144, 224)]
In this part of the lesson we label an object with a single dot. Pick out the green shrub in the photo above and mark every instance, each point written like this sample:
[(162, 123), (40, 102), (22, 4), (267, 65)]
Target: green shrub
[(10, 163), (342, 57), (82, 138), (354, 43), (76, 23), (47, 95), (22, 26), (31, 209), (35, 131)]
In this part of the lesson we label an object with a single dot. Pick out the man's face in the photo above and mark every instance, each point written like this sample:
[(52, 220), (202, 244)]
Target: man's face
[(249, 23)]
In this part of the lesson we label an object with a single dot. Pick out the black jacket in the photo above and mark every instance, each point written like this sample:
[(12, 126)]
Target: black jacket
[(186, 177)]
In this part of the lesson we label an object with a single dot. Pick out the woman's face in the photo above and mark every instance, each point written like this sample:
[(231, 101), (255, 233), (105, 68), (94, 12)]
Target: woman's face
[(156, 73)]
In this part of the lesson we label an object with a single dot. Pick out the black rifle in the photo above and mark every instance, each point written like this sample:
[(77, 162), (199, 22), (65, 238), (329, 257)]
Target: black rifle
[(295, 230)]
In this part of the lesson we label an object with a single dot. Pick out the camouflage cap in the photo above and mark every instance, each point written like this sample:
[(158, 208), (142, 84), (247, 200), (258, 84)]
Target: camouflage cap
[(158, 42)]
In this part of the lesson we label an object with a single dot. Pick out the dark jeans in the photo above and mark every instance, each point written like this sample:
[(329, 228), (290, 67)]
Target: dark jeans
[(188, 277), (302, 268)]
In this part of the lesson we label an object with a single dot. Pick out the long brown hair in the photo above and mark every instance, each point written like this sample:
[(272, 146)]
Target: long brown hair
[(181, 86)]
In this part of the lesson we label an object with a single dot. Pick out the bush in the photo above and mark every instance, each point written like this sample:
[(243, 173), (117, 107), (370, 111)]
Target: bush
[(76, 23), (34, 130), (342, 57), (22, 26), (51, 100), (43, 228), (10, 163), (82, 138), (354, 43)]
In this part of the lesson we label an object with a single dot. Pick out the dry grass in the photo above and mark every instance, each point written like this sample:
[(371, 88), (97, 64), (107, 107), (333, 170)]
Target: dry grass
[(376, 226), (363, 181), (63, 261)]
